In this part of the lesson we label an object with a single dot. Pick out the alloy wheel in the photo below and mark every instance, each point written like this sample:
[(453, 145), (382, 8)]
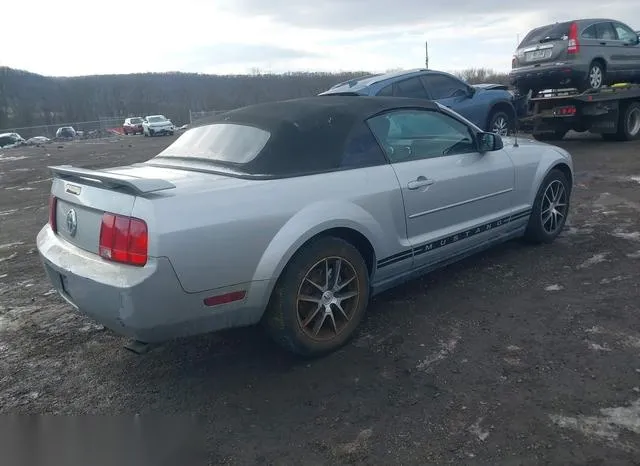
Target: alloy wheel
[(595, 77), (554, 207), (327, 298), (500, 126)]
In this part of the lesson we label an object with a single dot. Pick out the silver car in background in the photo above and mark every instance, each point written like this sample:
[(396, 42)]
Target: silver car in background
[(583, 54), (293, 214)]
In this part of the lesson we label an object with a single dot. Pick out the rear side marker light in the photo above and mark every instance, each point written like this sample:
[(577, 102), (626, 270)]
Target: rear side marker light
[(53, 203), (225, 298), (123, 239)]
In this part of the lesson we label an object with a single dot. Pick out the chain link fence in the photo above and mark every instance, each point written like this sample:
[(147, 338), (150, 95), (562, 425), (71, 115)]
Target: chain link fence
[(103, 127)]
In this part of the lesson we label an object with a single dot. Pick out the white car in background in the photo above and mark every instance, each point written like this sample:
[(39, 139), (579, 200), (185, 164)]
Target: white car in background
[(157, 125)]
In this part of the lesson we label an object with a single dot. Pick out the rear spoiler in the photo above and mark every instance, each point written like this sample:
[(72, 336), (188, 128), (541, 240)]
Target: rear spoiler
[(112, 180)]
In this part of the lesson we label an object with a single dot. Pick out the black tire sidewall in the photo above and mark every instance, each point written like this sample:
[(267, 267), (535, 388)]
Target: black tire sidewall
[(623, 121), (281, 318), (535, 231)]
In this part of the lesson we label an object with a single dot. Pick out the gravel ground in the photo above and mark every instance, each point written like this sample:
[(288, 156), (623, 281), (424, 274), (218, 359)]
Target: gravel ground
[(522, 355)]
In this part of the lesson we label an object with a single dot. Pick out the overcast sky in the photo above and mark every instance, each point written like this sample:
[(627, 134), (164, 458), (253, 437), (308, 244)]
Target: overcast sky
[(77, 37)]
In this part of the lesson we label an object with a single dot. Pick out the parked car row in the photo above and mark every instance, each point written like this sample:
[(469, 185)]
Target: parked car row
[(151, 125)]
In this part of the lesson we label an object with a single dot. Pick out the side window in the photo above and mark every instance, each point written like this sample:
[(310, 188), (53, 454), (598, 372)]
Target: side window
[(411, 87), (590, 32), (386, 91), (605, 31), (408, 135), (443, 87), (361, 149), (624, 32)]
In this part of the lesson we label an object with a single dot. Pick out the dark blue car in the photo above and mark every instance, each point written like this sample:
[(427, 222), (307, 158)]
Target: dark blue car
[(491, 107)]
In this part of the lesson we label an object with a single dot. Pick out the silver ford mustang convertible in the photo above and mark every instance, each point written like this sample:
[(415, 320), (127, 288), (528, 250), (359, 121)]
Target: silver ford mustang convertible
[(293, 214)]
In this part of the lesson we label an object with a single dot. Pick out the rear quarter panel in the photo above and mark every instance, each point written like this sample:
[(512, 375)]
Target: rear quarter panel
[(249, 231)]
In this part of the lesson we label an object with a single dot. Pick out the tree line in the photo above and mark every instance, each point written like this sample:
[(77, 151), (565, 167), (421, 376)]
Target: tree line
[(29, 99)]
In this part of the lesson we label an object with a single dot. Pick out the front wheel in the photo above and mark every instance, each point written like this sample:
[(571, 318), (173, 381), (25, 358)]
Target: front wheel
[(500, 123), (320, 298), (550, 209)]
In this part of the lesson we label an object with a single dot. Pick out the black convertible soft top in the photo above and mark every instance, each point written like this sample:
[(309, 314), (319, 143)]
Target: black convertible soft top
[(308, 135)]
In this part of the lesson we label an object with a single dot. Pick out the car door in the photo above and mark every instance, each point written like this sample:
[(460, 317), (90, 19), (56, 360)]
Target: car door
[(452, 194), (457, 95), (609, 48), (629, 49)]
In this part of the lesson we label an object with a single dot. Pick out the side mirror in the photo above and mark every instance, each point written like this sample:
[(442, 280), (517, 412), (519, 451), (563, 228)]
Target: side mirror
[(471, 91), (489, 142)]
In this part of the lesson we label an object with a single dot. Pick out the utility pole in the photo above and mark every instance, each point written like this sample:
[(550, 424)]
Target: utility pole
[(426, 54)]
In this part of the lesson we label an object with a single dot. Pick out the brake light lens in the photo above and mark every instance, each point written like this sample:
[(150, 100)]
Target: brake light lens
[(568, 110), (53, 202), (574, 45), (124, 239)]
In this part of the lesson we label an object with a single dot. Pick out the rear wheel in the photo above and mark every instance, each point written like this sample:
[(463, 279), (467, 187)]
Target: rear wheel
[(595, 77), (550, 209), (628, 124), (320, 298)]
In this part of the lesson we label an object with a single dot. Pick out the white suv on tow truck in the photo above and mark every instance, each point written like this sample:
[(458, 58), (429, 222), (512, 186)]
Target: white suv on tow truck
[(157, 125)]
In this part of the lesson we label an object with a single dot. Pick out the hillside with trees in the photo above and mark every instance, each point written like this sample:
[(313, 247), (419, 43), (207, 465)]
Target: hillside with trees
[(28, 99)]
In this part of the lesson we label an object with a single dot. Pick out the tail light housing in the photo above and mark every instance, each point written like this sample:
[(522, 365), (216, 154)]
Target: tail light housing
[(574, 44), (513, 62), (124, 239), (53, 202)]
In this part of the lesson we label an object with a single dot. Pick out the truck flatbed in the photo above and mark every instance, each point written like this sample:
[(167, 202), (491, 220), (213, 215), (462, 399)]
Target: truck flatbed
[(613, 111)]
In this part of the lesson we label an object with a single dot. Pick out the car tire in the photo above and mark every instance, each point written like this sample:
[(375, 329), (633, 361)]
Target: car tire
[(291, 322), (501, 119), (554, 195), (628, 124), (126, 134)]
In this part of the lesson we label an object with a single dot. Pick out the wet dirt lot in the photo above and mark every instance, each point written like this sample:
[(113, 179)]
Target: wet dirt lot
[(521, 355)]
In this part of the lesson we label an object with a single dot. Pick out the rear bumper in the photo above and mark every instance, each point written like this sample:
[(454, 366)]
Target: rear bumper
[(145, 303), (548, 76)]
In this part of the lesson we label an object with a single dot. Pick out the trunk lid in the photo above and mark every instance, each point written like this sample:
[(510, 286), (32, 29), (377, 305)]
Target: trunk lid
[(543, 45), (84, 195)]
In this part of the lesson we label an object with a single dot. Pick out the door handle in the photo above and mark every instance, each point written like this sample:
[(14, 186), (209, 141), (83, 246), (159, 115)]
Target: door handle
[(420, 182), (603, 43)]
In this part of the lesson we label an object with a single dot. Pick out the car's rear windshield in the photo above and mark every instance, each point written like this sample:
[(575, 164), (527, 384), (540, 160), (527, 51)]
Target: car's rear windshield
[(154, 119), (136, 120), (227, 143), (549, 32)]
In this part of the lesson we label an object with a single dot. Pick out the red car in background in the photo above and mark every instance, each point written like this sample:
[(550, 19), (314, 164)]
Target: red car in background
[(132, 125)]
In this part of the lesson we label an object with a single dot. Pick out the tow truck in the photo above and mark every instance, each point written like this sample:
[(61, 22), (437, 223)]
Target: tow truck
[(612, 111)]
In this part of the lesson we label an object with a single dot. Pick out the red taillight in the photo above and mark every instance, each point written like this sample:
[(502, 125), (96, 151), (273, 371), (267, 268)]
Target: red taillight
[(52, 213), (123, 239), (574, 44), (568, 110)]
